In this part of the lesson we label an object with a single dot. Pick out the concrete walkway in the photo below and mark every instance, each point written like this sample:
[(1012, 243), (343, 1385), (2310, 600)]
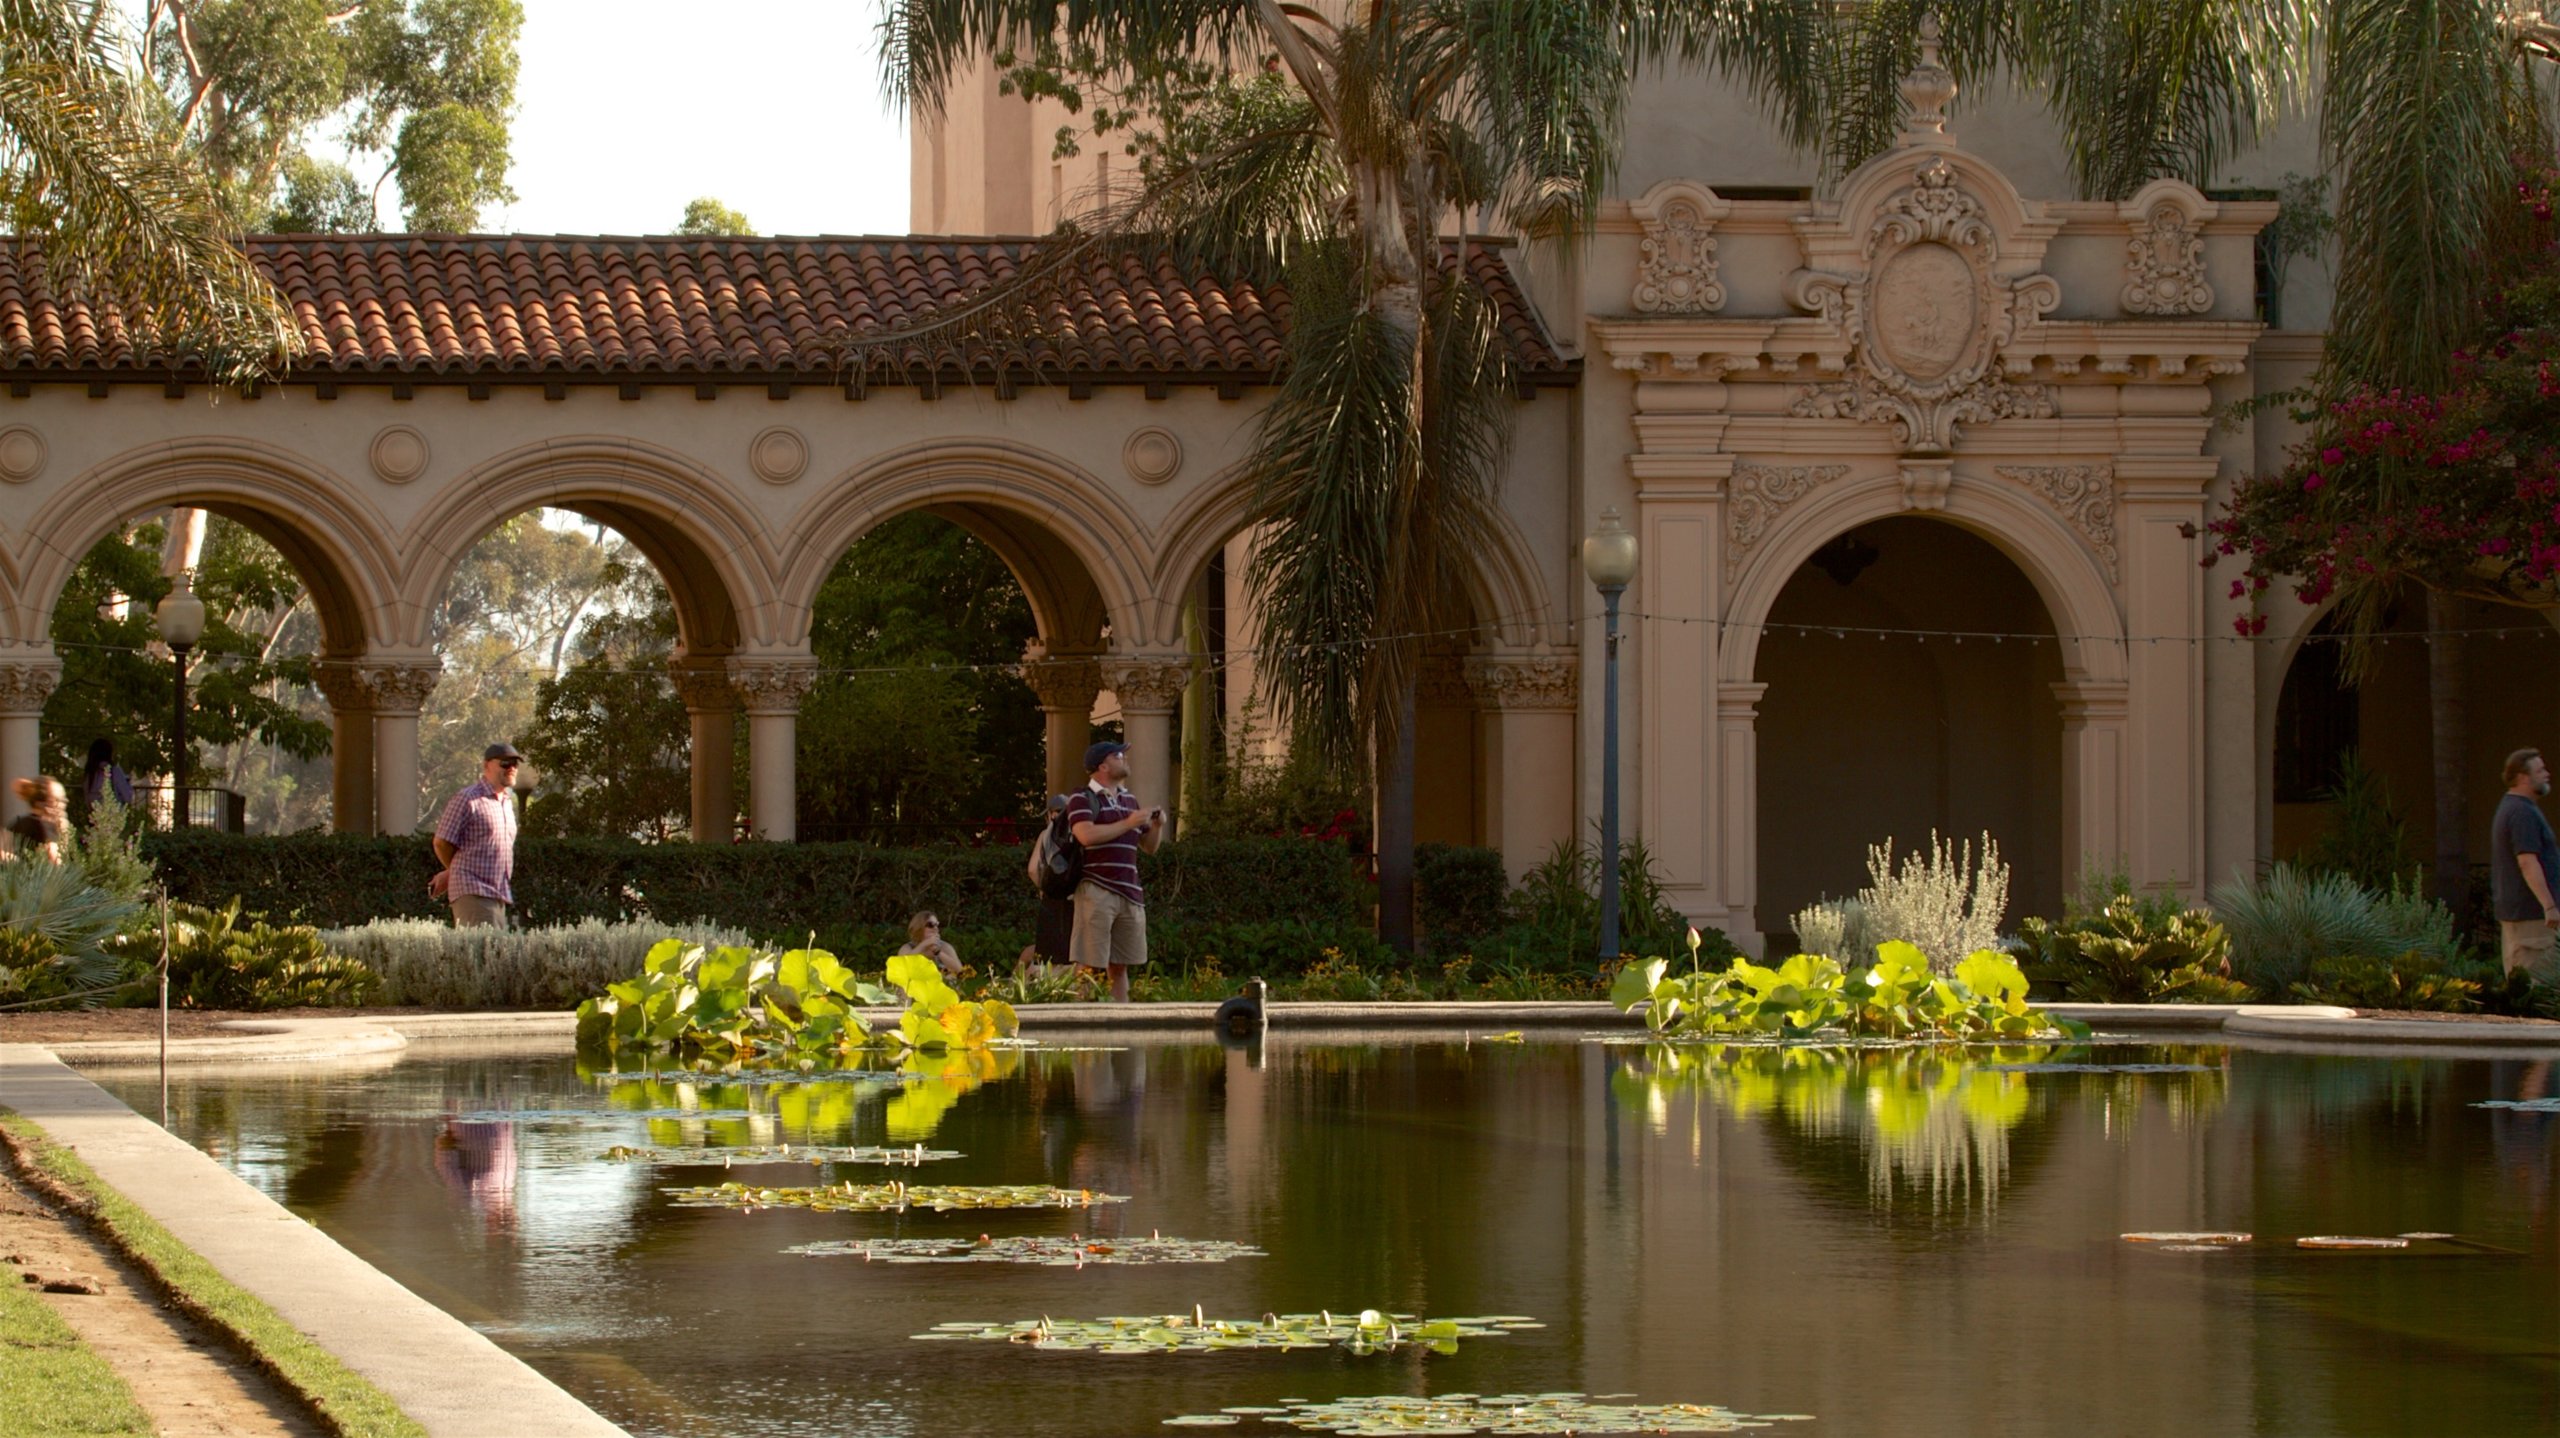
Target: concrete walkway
[(453, 1381)]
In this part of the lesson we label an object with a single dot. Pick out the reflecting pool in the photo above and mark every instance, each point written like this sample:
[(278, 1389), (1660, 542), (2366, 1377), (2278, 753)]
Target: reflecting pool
[(1893, 1242)]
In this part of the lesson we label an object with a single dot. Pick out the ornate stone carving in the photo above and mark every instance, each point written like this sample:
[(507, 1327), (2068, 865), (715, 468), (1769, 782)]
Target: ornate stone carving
[(778, 455), (26, 684), (22, 454), (2164, 266), (1925, 483), (1756, 496), (1532, 680), (772, 686), (401, 688), (1676, 262), (1147, 686), (703, 684), (1927, 87), (1929, 427), (1152, 455), (2083, 494), (398, 454), (1442, 683), (1067, 682), (342, 683)]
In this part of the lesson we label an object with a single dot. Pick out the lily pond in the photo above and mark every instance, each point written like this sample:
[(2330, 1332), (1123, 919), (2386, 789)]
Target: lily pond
[(1327, 1234)]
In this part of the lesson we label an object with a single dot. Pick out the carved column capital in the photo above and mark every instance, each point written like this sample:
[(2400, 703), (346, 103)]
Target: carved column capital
[(1065, 683), (402, 687), (26, 683), (1526, 681), (772, 686), (341, 682), (704, 685), (1151, 685)]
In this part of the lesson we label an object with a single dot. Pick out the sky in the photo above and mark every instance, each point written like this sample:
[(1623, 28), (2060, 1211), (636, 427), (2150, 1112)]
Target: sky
[(629, 109)]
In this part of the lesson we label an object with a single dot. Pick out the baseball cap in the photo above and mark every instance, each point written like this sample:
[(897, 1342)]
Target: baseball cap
[(1094, 756), (500, 750)]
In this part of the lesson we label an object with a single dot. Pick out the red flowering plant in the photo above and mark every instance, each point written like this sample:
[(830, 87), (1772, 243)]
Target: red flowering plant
[(2456, 490)]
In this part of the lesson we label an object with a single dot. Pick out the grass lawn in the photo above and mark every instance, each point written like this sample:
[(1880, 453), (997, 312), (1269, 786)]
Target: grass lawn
[(50, 1383)]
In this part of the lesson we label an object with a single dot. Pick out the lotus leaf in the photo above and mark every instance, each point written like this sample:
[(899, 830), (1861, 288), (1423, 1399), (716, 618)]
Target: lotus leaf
[(1369, 1331), (888, 1197), (1499, 1414), (1073, 1251), (1899, 996), (725, 1155)]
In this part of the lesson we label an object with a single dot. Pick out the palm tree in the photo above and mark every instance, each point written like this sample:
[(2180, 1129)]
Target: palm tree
[(1380, 133), (91, 162), (2426, 110)]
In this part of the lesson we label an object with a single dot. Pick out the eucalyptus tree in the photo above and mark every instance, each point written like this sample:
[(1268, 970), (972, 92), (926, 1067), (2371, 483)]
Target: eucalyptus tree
[(2430, 113), (1344, 151)]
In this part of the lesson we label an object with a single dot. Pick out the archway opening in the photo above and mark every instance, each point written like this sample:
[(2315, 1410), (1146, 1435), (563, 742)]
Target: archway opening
[(258, 733), (1910, 668)]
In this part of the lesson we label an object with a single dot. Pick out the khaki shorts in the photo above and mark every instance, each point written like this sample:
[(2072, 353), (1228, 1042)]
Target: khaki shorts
[(1111, 929), (470, 911), (2529, 945)]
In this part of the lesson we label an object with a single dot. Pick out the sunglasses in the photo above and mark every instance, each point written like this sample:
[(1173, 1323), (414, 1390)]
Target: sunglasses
[(933, 923), (509, 763)]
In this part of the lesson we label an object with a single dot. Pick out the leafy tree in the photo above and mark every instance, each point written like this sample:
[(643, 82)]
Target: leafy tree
[(609, 741), (87, 163), (707, 216), (424, 87), (1373, 466)]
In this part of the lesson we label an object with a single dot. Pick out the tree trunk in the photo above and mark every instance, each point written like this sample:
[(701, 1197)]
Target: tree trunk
[(2449, 729), (1395, 828)]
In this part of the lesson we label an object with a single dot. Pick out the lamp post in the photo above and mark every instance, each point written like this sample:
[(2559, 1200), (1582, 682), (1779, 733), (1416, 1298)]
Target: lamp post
[(180, 619), (1609, 557)]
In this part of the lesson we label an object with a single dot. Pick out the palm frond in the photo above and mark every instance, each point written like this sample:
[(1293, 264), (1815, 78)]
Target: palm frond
[(2146, 88), (925, 45)]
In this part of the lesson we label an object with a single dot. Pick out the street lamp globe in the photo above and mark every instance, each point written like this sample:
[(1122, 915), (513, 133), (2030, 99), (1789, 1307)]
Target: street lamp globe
[(180, 617), (1609, 553)]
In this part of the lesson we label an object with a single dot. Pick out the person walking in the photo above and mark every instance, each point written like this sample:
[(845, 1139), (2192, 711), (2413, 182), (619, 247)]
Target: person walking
[(37, 833), (103, 778), (476, 844), (1111, 907), (2524, 870)]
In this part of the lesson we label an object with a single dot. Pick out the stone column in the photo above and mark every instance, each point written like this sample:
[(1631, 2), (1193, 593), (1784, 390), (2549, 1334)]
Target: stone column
[(771, 690), (1150, 689), (24, 686), (1738, 745), (1528, 699), (399, 690), (2163, 506), (711, 706), (2094, 718), (341, 681), (1066, 685)]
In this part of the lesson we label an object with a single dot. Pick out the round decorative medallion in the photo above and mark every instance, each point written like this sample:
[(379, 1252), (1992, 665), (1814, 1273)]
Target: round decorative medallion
[(778, 455), (399, 454), (22, 454), (1925, 310), (1152, 455)]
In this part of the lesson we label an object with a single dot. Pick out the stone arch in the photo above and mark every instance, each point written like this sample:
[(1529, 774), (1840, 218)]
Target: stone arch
[(1065, 536), (2077, 595), (1504, 585), (708, 550), (342, 549)]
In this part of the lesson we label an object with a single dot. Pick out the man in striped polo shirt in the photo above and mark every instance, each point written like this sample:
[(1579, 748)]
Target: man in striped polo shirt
[(1111, 908)]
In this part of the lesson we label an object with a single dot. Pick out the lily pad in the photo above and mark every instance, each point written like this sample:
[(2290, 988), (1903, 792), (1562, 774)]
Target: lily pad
[(1509, 1413), (594, 1115), (2190, 1240), (2074, 1068), (1073, 1251), (888, 1197), (1368, 1331), (2349, 1243), (2526, 1105), (909, 1156)]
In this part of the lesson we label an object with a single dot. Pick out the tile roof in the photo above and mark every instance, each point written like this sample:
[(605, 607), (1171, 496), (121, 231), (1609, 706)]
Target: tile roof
[(495, 306)]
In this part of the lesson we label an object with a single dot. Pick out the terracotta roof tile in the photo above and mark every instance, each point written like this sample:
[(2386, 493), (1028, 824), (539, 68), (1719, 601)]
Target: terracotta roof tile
[(540, 304)]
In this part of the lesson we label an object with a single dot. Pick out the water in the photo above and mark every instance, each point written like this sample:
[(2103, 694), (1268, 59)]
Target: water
[(1894, 1244)]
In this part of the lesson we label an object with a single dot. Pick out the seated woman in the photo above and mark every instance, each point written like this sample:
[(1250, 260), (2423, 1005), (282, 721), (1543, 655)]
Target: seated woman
[(924, 936)]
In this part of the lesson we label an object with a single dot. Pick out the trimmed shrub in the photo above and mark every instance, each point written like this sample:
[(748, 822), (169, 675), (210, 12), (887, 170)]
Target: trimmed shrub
[(1459, 891), (433, 964)]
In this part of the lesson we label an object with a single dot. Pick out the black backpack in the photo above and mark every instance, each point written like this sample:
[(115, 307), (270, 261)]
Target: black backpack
[(1059, 865)]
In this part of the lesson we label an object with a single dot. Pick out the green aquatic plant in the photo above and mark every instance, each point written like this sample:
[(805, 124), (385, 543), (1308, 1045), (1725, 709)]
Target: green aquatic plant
[(1072, 1251), (1384, 1415), (888, 1197), (1899, 996), (737, 1004), (2130, 953), (727, 1154), (1368, 1331)]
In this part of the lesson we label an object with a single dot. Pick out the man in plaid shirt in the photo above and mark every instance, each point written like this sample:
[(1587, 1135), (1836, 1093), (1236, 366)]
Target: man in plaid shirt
[(476, 843)]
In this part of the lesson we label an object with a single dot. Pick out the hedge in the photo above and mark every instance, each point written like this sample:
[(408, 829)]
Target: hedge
[(772, 890)]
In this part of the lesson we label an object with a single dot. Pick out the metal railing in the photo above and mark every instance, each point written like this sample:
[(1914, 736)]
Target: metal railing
[(220, 810)]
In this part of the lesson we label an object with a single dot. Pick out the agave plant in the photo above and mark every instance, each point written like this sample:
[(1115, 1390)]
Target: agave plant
[(57, 932)]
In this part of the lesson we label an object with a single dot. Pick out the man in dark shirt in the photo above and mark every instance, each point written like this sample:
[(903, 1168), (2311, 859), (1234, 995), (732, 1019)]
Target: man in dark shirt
[(2524, 869), (1111, 907)]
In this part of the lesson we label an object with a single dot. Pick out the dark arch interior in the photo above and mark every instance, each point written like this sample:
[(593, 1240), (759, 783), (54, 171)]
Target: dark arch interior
[(1864, 738), (1065, 602)]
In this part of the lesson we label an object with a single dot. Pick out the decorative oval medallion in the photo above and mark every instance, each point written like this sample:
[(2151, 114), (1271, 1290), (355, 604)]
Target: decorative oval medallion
[(398, 455), (1926, 309), (22, 454), (1153, 455), (778, 455)]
